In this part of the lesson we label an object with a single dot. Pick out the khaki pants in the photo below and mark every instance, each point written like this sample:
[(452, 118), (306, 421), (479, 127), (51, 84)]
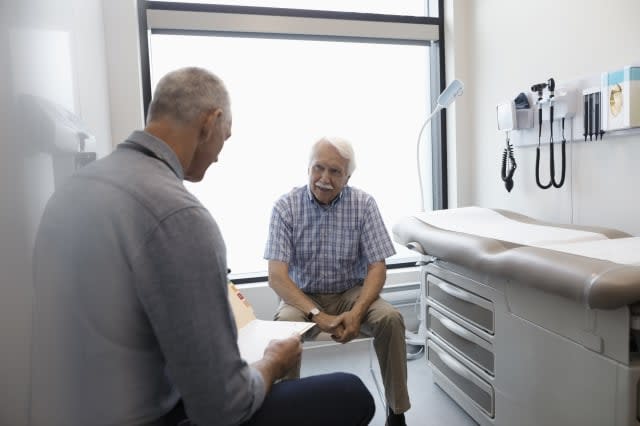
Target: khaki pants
[(383, 322)]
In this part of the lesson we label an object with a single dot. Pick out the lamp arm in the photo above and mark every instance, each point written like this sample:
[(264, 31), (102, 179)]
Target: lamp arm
[(424, 125)]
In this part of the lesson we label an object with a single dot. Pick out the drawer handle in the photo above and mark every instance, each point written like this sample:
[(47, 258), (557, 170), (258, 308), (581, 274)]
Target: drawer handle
[(461, 370), (453, 291), (457, 329), (454, 365)]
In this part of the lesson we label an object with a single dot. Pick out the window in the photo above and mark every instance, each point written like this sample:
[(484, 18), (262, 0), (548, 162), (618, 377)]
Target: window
[(385, 7), (287, 91)]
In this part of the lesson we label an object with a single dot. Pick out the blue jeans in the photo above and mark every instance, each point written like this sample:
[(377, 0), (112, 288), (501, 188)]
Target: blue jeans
[(327, 399)]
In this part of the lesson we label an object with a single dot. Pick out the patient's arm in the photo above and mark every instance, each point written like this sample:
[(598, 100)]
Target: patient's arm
[(371, 287), (288, 291)]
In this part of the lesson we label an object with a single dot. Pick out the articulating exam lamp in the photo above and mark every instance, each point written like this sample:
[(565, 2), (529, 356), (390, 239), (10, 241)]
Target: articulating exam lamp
[(445, 99)]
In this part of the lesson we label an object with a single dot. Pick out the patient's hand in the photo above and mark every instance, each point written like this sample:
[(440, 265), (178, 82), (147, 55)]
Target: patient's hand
[(328, 323), (350, 327)]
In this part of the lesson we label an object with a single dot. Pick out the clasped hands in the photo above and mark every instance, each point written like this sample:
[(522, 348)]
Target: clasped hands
[(343, 328)]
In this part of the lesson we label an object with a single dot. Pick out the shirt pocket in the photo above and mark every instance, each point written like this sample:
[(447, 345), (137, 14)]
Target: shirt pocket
[(347, 245)]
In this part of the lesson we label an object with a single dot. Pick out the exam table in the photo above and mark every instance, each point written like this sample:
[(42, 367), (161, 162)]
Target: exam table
[(528, 322)]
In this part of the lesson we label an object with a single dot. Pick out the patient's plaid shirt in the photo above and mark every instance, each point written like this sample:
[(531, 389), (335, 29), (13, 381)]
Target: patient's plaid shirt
[(327, 248)]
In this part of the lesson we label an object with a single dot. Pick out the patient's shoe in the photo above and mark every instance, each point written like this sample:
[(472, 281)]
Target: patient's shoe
[(395, 419)]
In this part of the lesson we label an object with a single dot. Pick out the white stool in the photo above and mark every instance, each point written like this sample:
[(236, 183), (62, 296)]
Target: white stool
[(324, 339)]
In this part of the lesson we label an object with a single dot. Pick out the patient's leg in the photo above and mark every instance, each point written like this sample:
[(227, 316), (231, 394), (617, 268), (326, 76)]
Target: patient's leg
[(386, 325)]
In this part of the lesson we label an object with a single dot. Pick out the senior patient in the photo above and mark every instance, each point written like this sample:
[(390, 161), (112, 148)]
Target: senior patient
[(132, 324), (326, 250)]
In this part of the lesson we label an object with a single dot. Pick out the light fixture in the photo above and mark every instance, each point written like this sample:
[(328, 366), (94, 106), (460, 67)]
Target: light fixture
[(446, 98)]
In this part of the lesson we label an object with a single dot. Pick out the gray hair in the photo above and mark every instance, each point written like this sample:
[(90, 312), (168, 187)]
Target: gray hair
[(184, 94), (344, 149)]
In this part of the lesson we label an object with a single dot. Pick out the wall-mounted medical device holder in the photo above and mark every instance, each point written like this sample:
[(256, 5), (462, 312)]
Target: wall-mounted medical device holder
[(592, 114), (621, 100), (607, 103), (516, 114), (563, 102), (506, 114), (512, 115), (552, 105)]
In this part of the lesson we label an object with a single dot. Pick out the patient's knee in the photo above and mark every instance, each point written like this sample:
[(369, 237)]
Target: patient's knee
[(393, 318), (289, 313)]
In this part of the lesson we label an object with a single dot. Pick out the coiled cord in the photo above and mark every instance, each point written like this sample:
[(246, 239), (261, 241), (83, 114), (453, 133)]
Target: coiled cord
[(508, 166)]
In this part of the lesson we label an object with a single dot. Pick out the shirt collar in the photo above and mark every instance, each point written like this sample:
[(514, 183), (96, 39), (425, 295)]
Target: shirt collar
[(312, 198), (160, 150)]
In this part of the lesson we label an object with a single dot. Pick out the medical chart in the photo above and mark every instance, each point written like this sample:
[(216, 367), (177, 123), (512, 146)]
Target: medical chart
[(253, 334)]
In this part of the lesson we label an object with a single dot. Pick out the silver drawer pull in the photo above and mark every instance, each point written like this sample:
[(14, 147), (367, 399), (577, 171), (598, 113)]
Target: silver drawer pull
[(453, 291), (459, 330), (460, 294), (460, 369), (455, 328)]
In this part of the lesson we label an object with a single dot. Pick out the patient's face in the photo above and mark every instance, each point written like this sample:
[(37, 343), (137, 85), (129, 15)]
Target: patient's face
[(327, 173)]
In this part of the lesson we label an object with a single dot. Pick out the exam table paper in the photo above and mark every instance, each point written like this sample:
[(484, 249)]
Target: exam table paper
[(487, 223)]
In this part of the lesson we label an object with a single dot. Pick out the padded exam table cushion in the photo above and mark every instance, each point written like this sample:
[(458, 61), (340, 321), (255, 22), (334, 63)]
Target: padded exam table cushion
[(597, 266)]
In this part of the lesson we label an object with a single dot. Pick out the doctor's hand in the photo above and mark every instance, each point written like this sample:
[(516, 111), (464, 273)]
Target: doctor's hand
[(282, 355), (350, 327)]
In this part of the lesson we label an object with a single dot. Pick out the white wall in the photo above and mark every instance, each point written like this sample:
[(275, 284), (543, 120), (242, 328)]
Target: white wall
[(53, 50), (123, 61), (499, 48)]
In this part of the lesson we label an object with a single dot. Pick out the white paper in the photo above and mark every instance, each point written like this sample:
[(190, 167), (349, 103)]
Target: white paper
[(491, 224), (253, 334), (254, 337), (625, 251)]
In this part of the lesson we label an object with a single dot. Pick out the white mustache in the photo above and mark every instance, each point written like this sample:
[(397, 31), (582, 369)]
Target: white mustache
[(324, 186)]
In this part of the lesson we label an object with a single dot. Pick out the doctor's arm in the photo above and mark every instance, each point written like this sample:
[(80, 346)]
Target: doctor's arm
[(185, 300), (279, 357)]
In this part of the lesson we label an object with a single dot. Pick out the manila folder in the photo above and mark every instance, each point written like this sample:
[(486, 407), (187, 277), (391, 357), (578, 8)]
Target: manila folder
[(253, 334)]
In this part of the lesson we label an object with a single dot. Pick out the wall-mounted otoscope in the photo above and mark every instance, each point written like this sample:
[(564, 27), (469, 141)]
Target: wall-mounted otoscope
[(539, 88)]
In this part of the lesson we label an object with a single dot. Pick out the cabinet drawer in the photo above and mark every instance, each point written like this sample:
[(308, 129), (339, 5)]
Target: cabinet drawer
[(473, 308), (469, 383), (475, 348)]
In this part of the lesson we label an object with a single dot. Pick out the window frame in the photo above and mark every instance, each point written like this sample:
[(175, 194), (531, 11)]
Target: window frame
[(155, 17)]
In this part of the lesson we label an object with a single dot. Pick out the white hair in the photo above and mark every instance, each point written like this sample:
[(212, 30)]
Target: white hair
[(344, 149)]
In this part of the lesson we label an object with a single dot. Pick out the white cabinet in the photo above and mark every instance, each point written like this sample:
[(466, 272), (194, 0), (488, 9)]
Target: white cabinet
[(510, 354)]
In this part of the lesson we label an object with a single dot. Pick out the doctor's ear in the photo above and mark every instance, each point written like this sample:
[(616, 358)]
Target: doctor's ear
[(209, 121), (214, 115)]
